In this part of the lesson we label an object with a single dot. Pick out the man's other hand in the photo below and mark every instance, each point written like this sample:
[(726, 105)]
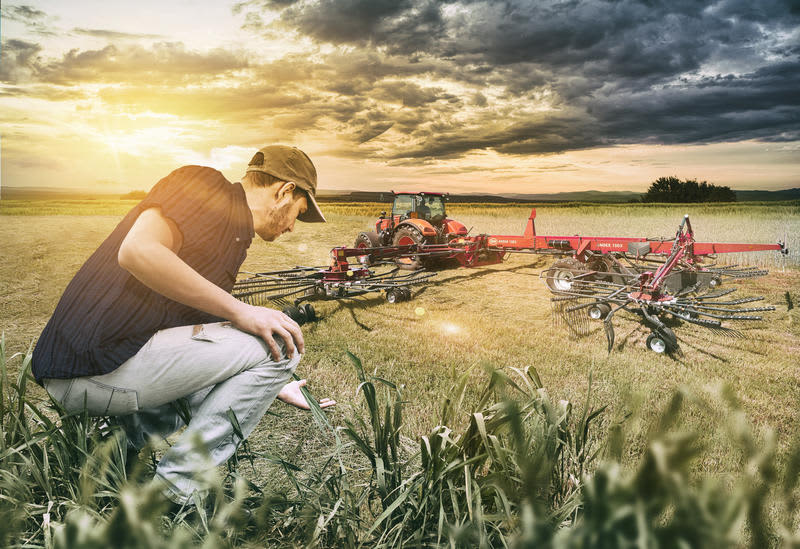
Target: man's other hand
[(291, 394), (267, 323)]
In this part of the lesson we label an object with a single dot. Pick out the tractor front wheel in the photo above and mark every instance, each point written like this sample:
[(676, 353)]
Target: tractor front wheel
[(407, 236), (368, 239)]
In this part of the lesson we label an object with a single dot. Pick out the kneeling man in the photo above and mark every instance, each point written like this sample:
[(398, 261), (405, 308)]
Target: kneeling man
[(149, 318)]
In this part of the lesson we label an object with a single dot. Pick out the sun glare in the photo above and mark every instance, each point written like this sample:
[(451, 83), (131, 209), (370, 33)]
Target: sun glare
[(450, 329)]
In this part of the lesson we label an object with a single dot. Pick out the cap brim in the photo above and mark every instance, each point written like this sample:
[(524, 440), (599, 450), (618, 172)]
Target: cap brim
[(312, 214)]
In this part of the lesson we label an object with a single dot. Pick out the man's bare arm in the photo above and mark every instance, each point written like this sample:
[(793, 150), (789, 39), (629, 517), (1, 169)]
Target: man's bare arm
[(149, 252)]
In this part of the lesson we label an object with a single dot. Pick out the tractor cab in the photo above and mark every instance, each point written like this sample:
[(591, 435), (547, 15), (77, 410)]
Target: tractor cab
[(426, 206)]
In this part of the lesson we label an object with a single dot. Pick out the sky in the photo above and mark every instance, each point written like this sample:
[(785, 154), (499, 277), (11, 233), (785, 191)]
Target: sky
[(513, 96)]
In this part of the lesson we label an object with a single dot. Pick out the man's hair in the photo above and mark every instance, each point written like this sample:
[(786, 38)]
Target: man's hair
[(260, 179)]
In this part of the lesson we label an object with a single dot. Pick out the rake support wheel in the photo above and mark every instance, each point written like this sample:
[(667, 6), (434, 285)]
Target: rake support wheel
[(662, 341), (599, 311), (561, 274)]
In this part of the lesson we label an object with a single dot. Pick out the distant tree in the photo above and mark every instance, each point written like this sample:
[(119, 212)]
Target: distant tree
[(134, 195), (672, 189)]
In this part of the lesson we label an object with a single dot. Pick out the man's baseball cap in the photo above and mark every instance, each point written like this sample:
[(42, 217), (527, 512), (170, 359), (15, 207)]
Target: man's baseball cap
[(293, 165)]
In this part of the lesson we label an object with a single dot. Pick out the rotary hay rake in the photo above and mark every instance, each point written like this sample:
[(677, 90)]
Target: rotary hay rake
[(289, 288), (655, 279), (677, 287)]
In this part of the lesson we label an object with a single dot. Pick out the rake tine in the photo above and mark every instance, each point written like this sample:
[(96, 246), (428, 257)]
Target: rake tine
[(731, 317), (700, 308), (717, 294), (608, 328), (740, 301), (698, 321)]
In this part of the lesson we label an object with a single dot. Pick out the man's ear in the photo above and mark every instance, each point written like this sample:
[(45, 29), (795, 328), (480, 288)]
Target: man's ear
[(286, 189)]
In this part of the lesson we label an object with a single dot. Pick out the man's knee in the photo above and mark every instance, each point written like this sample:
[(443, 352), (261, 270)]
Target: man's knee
[(285, 364)]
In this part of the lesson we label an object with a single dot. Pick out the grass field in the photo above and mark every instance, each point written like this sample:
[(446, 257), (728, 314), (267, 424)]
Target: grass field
[(473, 320)]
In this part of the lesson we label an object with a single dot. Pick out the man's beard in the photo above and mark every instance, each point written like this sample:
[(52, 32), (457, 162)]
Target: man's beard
[(276, 222)]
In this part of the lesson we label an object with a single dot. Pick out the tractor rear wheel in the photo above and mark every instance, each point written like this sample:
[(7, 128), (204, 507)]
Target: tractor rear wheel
[(560, 276), (407, 236)]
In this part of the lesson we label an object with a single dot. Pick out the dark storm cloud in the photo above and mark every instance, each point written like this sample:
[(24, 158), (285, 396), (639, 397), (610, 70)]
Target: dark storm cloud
[(616, 72), (373, 130), (762, 105), (410, 95)]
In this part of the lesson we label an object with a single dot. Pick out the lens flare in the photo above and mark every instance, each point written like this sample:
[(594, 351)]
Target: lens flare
[(450, 329), (420, 311)]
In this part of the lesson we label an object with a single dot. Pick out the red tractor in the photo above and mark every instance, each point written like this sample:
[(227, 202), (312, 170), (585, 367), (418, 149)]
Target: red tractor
[(417, 218)]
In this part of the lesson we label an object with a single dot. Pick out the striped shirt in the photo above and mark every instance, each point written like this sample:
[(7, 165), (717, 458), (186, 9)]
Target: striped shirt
[(106, 315)]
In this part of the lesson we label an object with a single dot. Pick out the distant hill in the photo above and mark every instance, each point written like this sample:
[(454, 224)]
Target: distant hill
[(386, 197), (49, 193), (584, 196), (580, 196), (54, 193), (757, 196), (603, 197)]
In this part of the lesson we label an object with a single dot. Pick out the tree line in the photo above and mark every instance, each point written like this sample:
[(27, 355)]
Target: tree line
[(672, 189)]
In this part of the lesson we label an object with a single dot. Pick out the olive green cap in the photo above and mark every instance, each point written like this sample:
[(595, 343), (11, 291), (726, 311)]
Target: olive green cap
[(293, 165)]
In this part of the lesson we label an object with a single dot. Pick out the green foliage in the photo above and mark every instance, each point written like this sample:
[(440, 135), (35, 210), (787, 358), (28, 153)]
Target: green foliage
[(518, 470), (672, 189)]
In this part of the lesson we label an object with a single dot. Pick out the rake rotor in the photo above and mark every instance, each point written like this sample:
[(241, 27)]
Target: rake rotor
[(294, 286), (587, 297)]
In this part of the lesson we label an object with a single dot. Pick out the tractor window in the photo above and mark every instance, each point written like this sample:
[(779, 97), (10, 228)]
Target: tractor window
[(403, 204), (436, 206)]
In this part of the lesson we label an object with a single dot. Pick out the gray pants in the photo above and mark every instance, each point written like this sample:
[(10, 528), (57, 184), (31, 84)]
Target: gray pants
[(215, 367)]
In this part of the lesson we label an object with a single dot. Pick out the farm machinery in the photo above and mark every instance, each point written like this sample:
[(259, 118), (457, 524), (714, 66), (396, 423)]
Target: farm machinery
[(665, 281), (416, 219)]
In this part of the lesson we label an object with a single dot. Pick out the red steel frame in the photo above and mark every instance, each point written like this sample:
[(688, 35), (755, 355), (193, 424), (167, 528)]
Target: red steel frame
[(475, 251), (603, 244)]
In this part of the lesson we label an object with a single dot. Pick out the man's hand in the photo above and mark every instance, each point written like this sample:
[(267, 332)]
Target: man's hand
[(291, 394), (265, 323)]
